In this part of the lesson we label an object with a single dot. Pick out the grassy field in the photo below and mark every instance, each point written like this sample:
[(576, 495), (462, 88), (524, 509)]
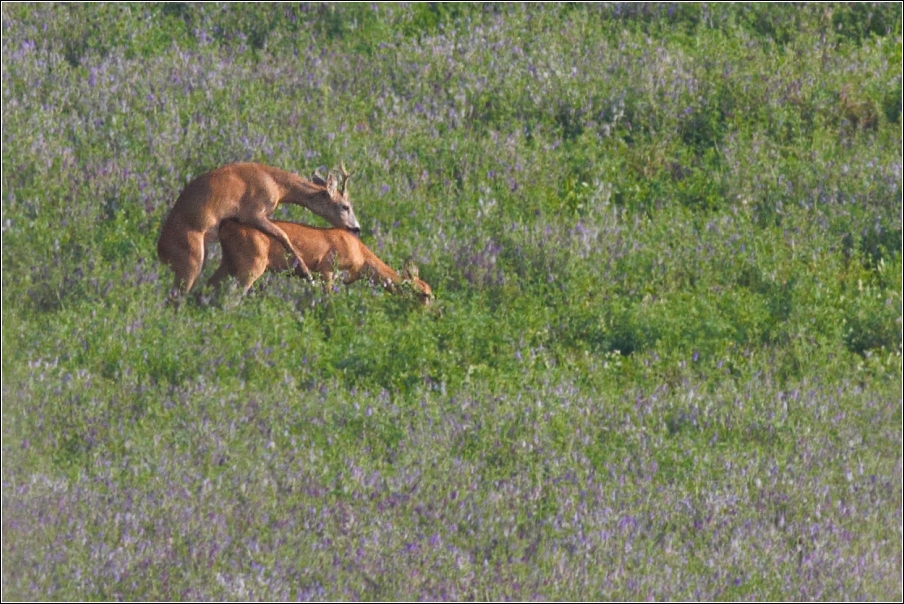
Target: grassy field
[(665, 355)]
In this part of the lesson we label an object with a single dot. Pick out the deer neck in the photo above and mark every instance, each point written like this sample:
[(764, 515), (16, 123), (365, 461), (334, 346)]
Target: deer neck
[(295, 189), (303, 193)]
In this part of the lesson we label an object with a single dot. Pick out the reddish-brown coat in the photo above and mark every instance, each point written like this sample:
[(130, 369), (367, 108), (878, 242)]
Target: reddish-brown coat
[(248, 253), (248, 193)]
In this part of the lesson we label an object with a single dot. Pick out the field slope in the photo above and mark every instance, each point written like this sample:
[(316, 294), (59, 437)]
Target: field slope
[(665, 356)]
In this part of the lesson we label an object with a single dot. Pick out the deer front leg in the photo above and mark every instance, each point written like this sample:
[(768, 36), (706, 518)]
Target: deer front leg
[(327, 278), (271, 229)]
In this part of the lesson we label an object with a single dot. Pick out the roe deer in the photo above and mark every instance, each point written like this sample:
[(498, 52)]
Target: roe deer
[(249, 193), (248, 252)]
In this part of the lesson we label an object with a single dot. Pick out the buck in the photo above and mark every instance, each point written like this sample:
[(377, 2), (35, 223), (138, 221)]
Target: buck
[(248, 193), (248, 253)]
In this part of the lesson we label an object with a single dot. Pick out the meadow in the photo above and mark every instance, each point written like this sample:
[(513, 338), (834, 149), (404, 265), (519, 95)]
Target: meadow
[(664, 359)]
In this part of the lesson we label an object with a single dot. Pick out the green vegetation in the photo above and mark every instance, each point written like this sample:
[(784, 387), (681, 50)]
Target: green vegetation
[(664, 360)]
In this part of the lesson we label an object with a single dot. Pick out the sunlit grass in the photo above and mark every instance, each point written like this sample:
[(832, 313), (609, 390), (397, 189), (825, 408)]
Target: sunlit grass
[(665, 355)]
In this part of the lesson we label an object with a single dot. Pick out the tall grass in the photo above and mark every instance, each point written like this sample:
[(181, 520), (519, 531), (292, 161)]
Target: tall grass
[(665, 357)]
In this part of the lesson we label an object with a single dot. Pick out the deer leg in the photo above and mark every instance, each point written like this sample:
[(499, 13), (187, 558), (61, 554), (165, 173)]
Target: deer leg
[(247, 275), (351, 276), (251, 272), (221, 273), (327, 277), (271, 229), (184, 253)]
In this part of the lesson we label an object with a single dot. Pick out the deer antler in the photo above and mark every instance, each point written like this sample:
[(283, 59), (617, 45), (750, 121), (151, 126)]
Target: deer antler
[(345, 176)]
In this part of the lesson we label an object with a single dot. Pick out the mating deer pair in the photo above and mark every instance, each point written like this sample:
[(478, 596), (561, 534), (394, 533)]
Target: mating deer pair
[(238, 200)]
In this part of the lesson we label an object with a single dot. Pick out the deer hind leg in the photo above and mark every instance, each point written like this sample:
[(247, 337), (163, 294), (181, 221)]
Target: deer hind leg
[(246, 269), (224, 270), (271, 229), (252, 273), (184, 253)]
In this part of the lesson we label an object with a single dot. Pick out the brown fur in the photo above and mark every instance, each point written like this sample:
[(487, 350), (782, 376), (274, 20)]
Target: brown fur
[(247, 253), (248, 193)]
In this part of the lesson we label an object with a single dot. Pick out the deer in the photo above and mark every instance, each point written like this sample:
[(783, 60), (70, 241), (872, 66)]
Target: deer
[(249, 193), (248, 253)]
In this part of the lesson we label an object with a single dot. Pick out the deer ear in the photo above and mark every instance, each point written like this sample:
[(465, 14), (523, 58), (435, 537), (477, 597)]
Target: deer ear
[(409, 270), (317, 179), (331, 184)]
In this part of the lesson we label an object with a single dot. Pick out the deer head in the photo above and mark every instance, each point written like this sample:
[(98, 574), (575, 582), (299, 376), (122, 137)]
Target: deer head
[(335, 205)]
